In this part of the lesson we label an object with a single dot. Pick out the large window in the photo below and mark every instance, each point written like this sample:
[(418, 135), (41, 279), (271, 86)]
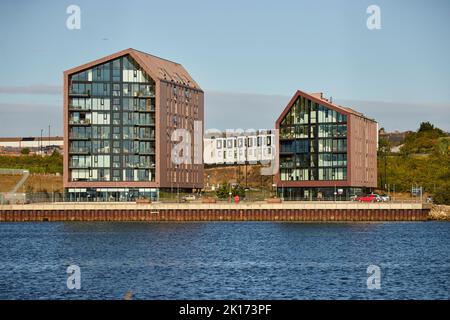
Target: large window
[(313, 141), (111, 110)]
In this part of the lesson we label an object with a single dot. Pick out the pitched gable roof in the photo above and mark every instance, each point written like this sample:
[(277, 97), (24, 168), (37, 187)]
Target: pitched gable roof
[(318, 98), (156, 67)]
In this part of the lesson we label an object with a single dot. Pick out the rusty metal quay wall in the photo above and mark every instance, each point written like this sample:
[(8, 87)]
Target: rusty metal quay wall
[(292, 211)]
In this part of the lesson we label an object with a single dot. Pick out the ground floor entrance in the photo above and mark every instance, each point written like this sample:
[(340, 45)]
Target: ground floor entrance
[(110, 194), (320, 193)]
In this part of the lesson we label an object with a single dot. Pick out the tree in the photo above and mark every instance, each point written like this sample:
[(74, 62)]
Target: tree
[(25, 151), (384, 146), (238, 191), (223, 191), (426, 126), (442, 194)]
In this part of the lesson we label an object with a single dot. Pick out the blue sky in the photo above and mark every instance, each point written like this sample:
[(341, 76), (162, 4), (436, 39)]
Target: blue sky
[(260, 49)]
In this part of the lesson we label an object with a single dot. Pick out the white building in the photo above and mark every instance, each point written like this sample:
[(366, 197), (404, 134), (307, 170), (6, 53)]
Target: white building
[(239, 147), (31, 142)]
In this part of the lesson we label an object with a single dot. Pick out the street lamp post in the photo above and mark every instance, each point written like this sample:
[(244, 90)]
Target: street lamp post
[(42, 130), (385, 175), (49, 136)]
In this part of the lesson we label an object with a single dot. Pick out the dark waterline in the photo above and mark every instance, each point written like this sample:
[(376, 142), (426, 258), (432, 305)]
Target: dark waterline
[(225, 260)]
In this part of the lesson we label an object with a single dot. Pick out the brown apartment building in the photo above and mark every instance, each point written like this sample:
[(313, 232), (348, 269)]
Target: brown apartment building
[(326, 151), (119, 115)]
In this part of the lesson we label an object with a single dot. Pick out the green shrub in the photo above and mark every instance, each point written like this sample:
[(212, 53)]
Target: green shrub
[(442, 194)]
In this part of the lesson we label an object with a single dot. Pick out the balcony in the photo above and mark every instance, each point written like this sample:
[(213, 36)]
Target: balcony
[(80, 150), (147, 151), (81, 94), (134, 150), (104, 150), (85, 122), (130, 137), (79, 166), (144, 94), (143, 138), (287, 165), (146, 109), (147, 124), (79, 137), (139, 165), (80, 109)]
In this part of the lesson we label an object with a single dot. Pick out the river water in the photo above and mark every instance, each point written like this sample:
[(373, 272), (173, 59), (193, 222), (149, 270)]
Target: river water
[(226, 260)]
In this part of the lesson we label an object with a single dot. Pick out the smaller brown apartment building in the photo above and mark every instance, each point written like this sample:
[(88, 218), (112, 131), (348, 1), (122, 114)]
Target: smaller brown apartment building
[(119, 115), (326, 151)]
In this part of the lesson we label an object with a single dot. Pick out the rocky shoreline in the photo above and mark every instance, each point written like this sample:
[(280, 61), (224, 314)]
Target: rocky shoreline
[(439, 212)]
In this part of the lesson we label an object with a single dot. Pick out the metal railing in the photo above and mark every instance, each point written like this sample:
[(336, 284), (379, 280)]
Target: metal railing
[(260, 196)]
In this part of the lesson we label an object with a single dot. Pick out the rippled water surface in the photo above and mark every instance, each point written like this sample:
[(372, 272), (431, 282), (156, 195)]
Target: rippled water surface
[(224, 260)]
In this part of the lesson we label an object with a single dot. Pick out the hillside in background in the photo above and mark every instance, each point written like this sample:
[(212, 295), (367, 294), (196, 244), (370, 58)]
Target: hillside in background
[(424, 160), (243, 175)]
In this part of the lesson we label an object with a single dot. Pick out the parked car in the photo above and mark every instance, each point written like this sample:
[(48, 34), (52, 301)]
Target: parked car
[(369, 198), (385, 198), (188, 197), (353, 197)]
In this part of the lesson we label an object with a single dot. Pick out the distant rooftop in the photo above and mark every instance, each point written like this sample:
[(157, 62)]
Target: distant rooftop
[(215, 135), (17, 139)]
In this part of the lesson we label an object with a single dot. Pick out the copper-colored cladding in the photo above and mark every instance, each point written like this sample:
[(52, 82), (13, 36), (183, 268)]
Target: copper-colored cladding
[(361, 147), (166, 74)]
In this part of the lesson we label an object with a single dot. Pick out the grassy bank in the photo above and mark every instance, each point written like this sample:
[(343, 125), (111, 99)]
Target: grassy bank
[(35, 183), (34, 163)]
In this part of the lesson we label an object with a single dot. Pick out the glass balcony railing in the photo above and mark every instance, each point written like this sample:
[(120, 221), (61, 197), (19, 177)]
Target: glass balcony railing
[(75, 165), (79, 136), (131, 150), (80, 150), (144, 94), (146, 108), (146, 137), (287, 165), (140, 165), (85, 122), (143, 123), (74, 93), (130, 136), (147, 151), (104, 150), (80, 108)]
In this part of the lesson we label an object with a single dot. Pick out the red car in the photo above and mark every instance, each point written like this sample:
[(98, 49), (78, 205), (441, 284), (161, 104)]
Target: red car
[(369, 198)]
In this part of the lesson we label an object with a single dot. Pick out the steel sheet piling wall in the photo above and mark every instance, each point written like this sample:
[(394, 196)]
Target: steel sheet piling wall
[(212, 214)]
